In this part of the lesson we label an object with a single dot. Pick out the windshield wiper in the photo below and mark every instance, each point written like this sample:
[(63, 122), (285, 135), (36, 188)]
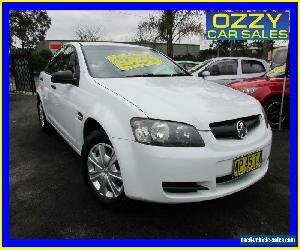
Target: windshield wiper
[(158, 75), (180, 74), (148, 75)]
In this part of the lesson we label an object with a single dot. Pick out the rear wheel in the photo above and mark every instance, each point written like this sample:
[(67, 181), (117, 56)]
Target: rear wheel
[(272, 108), (101, 169)]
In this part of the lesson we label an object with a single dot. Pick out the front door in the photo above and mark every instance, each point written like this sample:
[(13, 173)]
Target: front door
[(223, 71), (50, 101), (65, 96)]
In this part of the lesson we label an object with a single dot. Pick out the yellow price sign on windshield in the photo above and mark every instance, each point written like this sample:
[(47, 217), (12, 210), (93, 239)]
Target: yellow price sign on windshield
[(279, 69), (135, 60)]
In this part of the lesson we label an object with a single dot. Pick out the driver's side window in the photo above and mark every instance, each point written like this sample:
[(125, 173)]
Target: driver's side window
[(65, 59), (224, 67), (56, 62), (214, 69), (70, 61)]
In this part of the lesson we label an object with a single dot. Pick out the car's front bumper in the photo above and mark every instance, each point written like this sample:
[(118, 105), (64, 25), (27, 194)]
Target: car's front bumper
[(144, 168)]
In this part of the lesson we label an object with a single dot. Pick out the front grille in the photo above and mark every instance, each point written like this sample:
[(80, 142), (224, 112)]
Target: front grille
[(228, 129), (182, 187)]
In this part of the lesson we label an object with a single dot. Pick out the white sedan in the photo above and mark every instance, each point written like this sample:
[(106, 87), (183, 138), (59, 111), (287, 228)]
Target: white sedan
[(147, 130), (223, 70)]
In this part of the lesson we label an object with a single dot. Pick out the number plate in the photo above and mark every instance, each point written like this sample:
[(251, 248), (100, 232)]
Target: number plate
[(247, 163)]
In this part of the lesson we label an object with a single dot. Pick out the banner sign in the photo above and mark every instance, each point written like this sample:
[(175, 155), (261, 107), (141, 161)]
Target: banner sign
[(134, 60), (271, 25)]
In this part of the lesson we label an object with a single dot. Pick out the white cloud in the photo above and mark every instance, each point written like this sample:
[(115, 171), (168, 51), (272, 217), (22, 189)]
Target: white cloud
[(116, 25)]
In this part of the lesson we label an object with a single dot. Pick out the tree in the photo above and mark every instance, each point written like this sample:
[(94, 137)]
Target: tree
[(40, 59), (222, 47), (265, 46), (170, 27), (29, 27), (88, 33), (229, 47)]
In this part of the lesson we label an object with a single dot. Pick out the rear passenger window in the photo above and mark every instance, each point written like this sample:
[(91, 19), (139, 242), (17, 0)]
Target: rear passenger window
[(224, 67), (252, 66)]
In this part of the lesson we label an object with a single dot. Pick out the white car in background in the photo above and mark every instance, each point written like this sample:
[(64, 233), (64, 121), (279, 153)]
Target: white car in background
[(146, 129), (223, 70)]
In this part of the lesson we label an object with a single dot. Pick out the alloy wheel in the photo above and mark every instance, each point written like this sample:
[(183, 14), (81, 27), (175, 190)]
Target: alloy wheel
[(104, 171), (273, 113)]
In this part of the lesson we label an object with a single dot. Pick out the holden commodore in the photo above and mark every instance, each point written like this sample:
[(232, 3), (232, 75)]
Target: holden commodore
[(148, 130)]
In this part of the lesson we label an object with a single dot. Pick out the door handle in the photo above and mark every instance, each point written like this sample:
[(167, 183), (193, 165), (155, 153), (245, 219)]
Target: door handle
[(53, 86)]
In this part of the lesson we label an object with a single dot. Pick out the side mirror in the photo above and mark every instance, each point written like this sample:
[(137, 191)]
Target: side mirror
[(64, 77), (205, 73)]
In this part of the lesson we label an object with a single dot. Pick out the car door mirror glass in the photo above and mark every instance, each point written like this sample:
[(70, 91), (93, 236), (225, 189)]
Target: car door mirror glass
[(64, 77)]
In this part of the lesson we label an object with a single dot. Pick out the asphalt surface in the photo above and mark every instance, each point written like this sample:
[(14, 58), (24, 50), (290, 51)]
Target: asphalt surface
[(49, 199)]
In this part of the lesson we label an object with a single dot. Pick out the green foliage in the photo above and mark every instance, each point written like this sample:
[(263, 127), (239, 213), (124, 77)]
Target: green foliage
[(169, 26), (28, 27), (40, 59), (258, 49), (230, 47)]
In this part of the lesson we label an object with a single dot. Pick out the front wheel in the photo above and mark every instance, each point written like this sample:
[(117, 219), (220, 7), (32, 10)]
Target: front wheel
[(272, 108), (101, 169)]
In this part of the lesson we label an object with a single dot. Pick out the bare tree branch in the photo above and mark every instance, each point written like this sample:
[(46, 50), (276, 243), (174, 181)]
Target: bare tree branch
[(89, 33)]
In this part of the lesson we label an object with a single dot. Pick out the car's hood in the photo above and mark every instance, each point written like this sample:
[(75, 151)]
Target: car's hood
[(183, 99)]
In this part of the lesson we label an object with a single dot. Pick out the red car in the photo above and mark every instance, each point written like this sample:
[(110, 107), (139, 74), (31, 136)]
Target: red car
[(268, 90)]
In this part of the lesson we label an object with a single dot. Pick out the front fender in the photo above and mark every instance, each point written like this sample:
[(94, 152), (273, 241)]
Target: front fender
[(113, 113)]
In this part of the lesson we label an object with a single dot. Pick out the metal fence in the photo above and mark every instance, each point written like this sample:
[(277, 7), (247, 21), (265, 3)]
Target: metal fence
[(21, 78)]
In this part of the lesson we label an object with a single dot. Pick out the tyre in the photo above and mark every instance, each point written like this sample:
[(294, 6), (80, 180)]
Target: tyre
[(45, 125), (101, 169), (272, 108)]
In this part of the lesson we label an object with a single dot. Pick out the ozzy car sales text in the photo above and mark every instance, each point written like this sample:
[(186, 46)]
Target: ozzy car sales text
[(247, 26)]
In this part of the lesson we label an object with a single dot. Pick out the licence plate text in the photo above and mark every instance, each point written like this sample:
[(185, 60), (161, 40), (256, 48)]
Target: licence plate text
[(247, 163)]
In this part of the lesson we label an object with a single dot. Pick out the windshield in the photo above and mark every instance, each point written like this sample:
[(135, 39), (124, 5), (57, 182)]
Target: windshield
[(276, 72), (109, 61), (200, 65), (279, 57), (187, 65)]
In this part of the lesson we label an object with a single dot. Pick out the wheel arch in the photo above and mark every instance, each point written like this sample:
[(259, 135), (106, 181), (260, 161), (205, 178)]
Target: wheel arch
[(275, 95), (107, 123), (90, 125)]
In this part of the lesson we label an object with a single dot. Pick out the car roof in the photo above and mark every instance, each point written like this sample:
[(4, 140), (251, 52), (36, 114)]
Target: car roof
[(187, 62), (109, 44), (237, 57)]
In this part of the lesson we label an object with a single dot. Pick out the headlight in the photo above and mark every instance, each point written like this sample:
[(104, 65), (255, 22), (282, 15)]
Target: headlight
[(248, 91), (165, 133)]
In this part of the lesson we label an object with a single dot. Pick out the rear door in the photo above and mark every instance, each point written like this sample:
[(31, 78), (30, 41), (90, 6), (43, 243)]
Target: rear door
[(223, 71), (252, 68)]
